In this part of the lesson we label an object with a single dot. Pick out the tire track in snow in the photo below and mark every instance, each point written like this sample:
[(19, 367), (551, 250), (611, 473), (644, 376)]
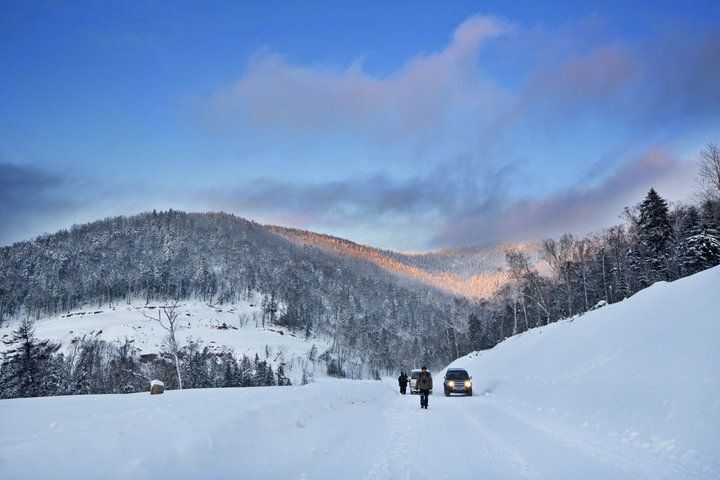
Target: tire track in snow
[(397, 459), (491, 449), (632, 462)]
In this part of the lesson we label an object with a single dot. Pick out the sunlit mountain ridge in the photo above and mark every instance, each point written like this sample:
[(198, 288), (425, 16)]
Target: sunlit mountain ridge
[(475, 272)]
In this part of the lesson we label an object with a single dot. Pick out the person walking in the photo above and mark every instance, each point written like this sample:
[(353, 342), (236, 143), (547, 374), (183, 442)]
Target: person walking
[(424, 384), (403, 381)]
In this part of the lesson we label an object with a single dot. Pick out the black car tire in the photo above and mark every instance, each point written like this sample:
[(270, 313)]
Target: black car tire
[(469, 393)]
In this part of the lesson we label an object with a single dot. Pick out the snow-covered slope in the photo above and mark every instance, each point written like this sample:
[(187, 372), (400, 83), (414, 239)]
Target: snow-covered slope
[(645, 371), (233, 327)]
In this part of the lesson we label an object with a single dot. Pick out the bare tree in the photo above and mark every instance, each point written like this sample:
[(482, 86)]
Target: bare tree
[(558, 255), (519, 264), (583, 255), (708, 181), (167, 318)]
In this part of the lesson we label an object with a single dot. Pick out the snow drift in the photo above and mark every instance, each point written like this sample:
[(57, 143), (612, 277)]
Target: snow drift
[(644, 371)]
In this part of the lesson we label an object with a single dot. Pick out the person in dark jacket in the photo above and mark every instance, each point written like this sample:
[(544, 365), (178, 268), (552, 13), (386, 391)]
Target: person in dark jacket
[(424, 384), (403, 381)]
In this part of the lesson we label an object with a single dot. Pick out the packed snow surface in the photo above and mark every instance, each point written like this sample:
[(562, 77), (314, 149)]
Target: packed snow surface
[(629, 391)]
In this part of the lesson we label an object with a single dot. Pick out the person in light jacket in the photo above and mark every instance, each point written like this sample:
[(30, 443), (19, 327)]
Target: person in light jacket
[(424, 384)]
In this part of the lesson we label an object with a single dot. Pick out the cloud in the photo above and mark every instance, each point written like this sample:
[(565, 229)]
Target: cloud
[(495, 88), (455, 204), (571, 107), (517, 133), (578, 210), (646, 83), (277, 95), (29, 197), (35, 200)]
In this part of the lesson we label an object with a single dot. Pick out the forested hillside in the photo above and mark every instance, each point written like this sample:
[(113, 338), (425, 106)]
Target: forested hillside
[(368, 315), (475, 273), (464, 261)]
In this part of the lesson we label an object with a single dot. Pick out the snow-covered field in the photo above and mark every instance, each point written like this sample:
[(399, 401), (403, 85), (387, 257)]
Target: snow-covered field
[(630, 391), (237, 327)]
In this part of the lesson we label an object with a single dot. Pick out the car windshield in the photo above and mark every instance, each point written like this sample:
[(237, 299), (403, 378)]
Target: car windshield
[(457, 375), (415, 375)]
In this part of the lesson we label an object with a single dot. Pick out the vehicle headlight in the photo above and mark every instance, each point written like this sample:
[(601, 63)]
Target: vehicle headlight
[(451, 384), (468, 383)]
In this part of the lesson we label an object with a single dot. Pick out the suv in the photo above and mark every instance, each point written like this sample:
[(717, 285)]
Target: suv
[(414, 375), (457, 380)]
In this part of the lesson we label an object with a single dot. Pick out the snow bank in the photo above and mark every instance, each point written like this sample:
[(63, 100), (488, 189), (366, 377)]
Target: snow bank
[(262, 432), (644, 372)]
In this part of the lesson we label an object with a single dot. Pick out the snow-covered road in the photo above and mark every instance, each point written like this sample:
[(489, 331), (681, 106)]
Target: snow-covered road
[(328, 430), (484, 437)]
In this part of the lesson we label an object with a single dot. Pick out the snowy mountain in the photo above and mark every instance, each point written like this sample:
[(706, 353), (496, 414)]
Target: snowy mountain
[(628, 391), (369, 313), (475, 272), (465, 261)]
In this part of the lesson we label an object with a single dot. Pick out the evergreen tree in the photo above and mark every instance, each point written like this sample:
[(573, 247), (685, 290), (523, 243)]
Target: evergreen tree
[(206, 281), (475, 331), (269, 377), (700, 251), (123, 371), (308, 328), (90, 373), (195, 368), (245, 371), (653, 239), (229, 377), (25, 363), (57, 380), (333, 369), (282, 380), (711, 214), (260, 376)]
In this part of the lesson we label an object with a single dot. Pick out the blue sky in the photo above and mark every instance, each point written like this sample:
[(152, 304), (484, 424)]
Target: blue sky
[(407, 125)]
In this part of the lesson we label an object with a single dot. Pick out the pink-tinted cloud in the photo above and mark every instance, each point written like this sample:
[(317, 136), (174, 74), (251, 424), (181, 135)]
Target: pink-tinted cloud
[(455, 205), (454, 98), (274, 94), (579, 209)]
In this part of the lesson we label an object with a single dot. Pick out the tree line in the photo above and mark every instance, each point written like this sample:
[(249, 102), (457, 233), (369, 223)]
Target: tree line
[(656, 242), (31, 367)]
